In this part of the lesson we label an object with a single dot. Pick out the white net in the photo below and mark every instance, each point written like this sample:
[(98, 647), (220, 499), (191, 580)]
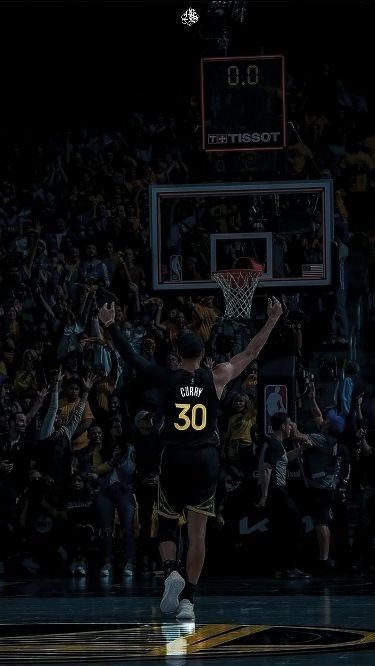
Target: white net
[(238, 287)]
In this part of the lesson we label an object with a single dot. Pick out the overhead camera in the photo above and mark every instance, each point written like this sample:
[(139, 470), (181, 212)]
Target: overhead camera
[(235, 9), (220, 15), (218, 7)]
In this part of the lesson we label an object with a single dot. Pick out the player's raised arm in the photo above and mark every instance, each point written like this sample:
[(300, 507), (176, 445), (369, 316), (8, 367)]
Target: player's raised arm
[(123, 346), (225, 372)]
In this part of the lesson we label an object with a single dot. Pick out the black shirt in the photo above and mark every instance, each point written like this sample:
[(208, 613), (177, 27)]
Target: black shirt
[(188, 400), (275, 455), (190, 409)]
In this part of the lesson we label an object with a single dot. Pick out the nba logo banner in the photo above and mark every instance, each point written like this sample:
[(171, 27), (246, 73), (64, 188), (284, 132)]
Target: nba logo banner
[(275, 400)]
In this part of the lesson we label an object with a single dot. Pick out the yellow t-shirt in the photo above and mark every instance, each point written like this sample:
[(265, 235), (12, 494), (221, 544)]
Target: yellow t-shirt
[(66, 410), (239, 426), (103, 391)]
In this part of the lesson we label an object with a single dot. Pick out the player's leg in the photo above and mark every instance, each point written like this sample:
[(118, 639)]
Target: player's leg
[(203, 471), (173, 582), (168, 553), (168, 510), (168, 543), (196, 525)]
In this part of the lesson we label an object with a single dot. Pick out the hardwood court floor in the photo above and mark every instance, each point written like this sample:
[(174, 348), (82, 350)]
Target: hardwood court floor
[(239, 621)]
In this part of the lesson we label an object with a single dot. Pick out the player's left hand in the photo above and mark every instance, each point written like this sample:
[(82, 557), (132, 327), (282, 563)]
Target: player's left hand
[(208, 363), (274, 309)]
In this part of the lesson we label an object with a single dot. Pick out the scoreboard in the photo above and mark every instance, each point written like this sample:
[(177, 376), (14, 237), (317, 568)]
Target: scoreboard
[(243, 103)]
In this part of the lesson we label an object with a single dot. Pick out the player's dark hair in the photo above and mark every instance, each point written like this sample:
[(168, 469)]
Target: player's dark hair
[(189, 344), (278, 420)]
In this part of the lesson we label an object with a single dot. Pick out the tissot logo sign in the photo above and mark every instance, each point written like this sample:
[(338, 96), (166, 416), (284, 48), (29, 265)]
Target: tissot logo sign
[(261, 138)]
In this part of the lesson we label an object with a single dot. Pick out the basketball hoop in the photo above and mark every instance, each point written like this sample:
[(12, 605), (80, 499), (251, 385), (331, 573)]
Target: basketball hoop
[(238, 285)]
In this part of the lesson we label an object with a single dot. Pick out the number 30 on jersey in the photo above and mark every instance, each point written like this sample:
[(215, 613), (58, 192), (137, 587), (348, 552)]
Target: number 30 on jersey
[(191, 416)]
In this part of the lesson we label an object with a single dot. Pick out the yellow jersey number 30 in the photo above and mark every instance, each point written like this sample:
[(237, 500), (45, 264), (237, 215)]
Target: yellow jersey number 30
[(192, 417)]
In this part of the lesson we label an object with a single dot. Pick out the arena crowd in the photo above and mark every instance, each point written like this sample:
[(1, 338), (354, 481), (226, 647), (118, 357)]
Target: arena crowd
[(80, 438)]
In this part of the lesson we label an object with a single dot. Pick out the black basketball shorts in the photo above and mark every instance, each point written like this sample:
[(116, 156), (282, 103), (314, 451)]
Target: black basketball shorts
[(187, 481)]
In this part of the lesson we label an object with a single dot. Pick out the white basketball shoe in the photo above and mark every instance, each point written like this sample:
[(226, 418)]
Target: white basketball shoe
[(185, 610), (173, 586)]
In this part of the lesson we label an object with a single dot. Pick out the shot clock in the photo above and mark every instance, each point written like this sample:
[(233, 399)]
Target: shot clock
[(243, 103)]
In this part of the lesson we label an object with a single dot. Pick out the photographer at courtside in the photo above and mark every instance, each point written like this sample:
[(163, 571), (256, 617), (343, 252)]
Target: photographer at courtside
[(285, 520), (320, 463)]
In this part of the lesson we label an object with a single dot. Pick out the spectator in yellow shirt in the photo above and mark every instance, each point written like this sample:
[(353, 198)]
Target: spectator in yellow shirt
[(68, 405), (238, 439)]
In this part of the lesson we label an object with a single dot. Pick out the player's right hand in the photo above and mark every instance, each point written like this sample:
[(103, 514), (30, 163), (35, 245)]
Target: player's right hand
[(274, 309)]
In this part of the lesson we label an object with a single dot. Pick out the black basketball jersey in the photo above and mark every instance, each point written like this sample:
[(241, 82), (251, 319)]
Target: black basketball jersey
[(190, 409)]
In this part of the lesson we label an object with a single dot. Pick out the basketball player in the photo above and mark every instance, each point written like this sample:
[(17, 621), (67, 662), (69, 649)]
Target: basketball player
[(190, 459)]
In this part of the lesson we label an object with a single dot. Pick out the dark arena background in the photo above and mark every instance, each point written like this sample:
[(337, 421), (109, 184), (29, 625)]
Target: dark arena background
[(145, 146)]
